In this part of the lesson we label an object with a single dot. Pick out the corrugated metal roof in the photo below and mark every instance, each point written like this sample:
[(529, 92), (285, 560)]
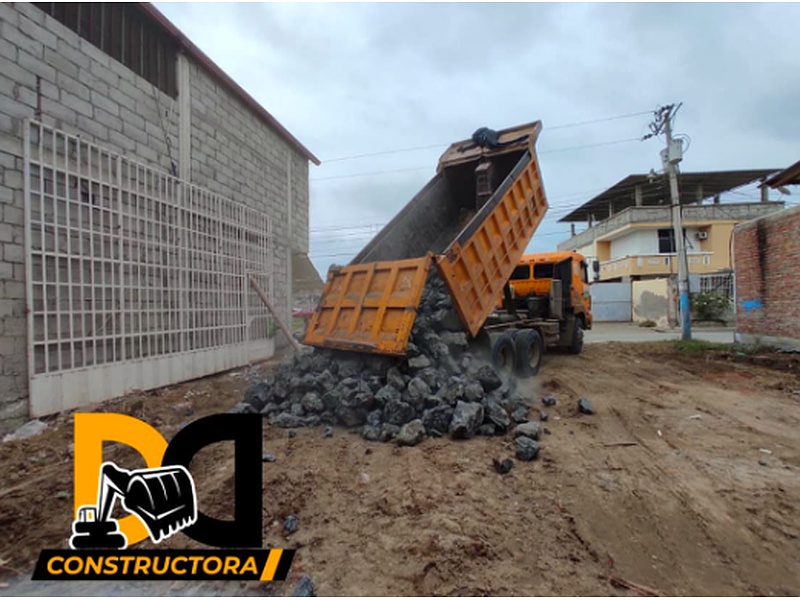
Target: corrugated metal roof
[(693, 187), (225, 79)]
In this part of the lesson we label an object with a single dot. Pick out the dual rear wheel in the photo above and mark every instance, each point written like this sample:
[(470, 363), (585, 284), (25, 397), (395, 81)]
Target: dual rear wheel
[(519, 352)]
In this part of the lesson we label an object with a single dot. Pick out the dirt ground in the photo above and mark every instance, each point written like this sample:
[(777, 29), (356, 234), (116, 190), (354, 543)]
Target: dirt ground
[(685, 482)]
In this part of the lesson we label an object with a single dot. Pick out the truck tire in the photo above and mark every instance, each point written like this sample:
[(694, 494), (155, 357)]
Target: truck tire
[(504, 354), (576, 345), (530, 350)]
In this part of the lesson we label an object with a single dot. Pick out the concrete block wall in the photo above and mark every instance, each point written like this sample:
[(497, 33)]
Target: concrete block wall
[(88, 93), (235, 152), (766, 259)]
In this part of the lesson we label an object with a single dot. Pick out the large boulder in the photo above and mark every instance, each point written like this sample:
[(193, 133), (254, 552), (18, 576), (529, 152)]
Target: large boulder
[(531, 429), (496, 415), (397, 412), (437, 419), (411, 434), (417, 392), (312, 403), (387, 394), (488, 378), (258, 395), (526, 448), (467, 417)]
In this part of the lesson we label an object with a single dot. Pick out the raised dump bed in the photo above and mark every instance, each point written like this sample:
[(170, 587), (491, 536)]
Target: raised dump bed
[(473, 220)]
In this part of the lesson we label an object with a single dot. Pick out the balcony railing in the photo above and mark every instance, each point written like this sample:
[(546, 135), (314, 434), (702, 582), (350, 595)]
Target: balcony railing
[(692, 213), (650, 264)]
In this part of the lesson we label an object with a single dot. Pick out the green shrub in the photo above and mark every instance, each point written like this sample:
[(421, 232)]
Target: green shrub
[(710, 306)]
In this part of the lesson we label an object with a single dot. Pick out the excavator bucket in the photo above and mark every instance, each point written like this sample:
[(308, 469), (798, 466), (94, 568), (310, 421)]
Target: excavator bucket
[(163, 498)]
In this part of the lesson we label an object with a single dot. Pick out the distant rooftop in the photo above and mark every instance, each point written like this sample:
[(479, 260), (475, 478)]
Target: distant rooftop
[(694, 188), (789, 176)]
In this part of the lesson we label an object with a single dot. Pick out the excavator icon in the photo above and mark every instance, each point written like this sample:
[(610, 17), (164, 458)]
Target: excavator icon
[(164, 498)]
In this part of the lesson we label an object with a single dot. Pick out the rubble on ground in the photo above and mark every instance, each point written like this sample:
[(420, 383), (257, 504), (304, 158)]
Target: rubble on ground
[(440, 389), (585, 407), (28, 430), (503, 466), (526, 448), (305, 588)]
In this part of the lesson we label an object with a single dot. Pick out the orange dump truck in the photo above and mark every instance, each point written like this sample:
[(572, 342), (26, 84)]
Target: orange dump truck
[(549, 293), (472, 220)]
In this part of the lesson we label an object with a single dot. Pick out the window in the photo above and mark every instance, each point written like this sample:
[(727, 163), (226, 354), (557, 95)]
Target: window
[(584, 272), (125, 33), (543, 271), (666, 241), (521, 272)]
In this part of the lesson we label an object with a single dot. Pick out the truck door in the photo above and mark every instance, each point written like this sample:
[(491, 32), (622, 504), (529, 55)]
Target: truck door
[(562, 271)]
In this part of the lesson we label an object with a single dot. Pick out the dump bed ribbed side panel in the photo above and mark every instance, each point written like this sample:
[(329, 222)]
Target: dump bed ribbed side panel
[(480, 261)]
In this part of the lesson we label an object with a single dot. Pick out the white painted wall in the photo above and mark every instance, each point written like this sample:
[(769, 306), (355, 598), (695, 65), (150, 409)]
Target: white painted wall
[(645, 241), (634, 243)]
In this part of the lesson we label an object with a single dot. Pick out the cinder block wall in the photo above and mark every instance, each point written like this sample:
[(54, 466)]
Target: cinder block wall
[(233, 153), (766, 258), (86, 92)]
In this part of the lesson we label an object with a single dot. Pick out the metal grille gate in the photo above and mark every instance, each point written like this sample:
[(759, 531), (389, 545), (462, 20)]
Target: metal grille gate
[(135, 279)]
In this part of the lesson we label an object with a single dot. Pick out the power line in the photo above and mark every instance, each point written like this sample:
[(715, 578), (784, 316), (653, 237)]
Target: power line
[(339, 227), (592, 122), (551, 151), (556, 209), (601, 144), (371, 173), (432, 146), (356, 251)]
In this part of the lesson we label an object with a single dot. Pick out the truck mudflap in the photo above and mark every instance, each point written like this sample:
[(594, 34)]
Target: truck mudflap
[(479, 262), (369, 307)]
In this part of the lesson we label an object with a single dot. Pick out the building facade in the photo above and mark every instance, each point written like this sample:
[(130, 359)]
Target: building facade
[(639, 242), (140, 190), (629, 226), (766, 253)]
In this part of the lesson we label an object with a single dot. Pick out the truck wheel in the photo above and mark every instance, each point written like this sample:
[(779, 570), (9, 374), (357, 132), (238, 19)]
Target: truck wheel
[(576, 345), (504, 355), (530, 350)]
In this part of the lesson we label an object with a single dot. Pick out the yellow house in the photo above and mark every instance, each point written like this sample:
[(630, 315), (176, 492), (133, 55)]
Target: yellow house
[(635, 239)]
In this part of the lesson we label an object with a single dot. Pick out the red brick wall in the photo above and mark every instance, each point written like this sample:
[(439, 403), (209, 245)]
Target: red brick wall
[(767, 263)]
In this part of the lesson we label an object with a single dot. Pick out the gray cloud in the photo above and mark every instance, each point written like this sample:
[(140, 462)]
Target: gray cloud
[(357, 78)]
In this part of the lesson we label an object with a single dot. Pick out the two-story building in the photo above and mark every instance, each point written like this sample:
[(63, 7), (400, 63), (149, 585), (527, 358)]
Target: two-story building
[(629, 228)]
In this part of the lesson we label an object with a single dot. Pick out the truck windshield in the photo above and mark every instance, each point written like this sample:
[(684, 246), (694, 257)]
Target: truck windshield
[(521, 272), (543, 271)]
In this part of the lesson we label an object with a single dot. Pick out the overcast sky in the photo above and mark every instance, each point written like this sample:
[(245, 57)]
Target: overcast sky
[(352, 79)]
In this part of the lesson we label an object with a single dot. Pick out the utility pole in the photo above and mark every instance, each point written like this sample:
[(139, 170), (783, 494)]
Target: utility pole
[(670, 157)]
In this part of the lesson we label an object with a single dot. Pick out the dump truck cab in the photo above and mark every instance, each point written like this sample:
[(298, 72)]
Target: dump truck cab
[(531, 285)]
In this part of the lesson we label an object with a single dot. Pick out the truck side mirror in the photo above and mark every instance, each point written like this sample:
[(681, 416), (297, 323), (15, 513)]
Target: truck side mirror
[(596, 267)]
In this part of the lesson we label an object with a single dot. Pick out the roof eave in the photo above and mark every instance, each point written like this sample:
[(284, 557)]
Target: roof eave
[(192, 50), (789, 176)]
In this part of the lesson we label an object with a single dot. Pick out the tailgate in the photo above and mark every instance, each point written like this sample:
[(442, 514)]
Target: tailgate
[(369, 307), (480, 260)]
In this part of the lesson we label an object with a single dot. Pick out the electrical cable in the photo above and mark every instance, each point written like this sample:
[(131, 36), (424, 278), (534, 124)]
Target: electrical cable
[(431, 146), (410, 169)]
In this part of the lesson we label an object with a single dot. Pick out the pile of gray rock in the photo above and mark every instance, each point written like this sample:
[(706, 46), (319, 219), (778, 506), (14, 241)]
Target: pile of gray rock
[(441, 388)]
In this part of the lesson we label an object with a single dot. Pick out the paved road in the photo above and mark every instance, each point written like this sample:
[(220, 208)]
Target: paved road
[(628, 332)]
